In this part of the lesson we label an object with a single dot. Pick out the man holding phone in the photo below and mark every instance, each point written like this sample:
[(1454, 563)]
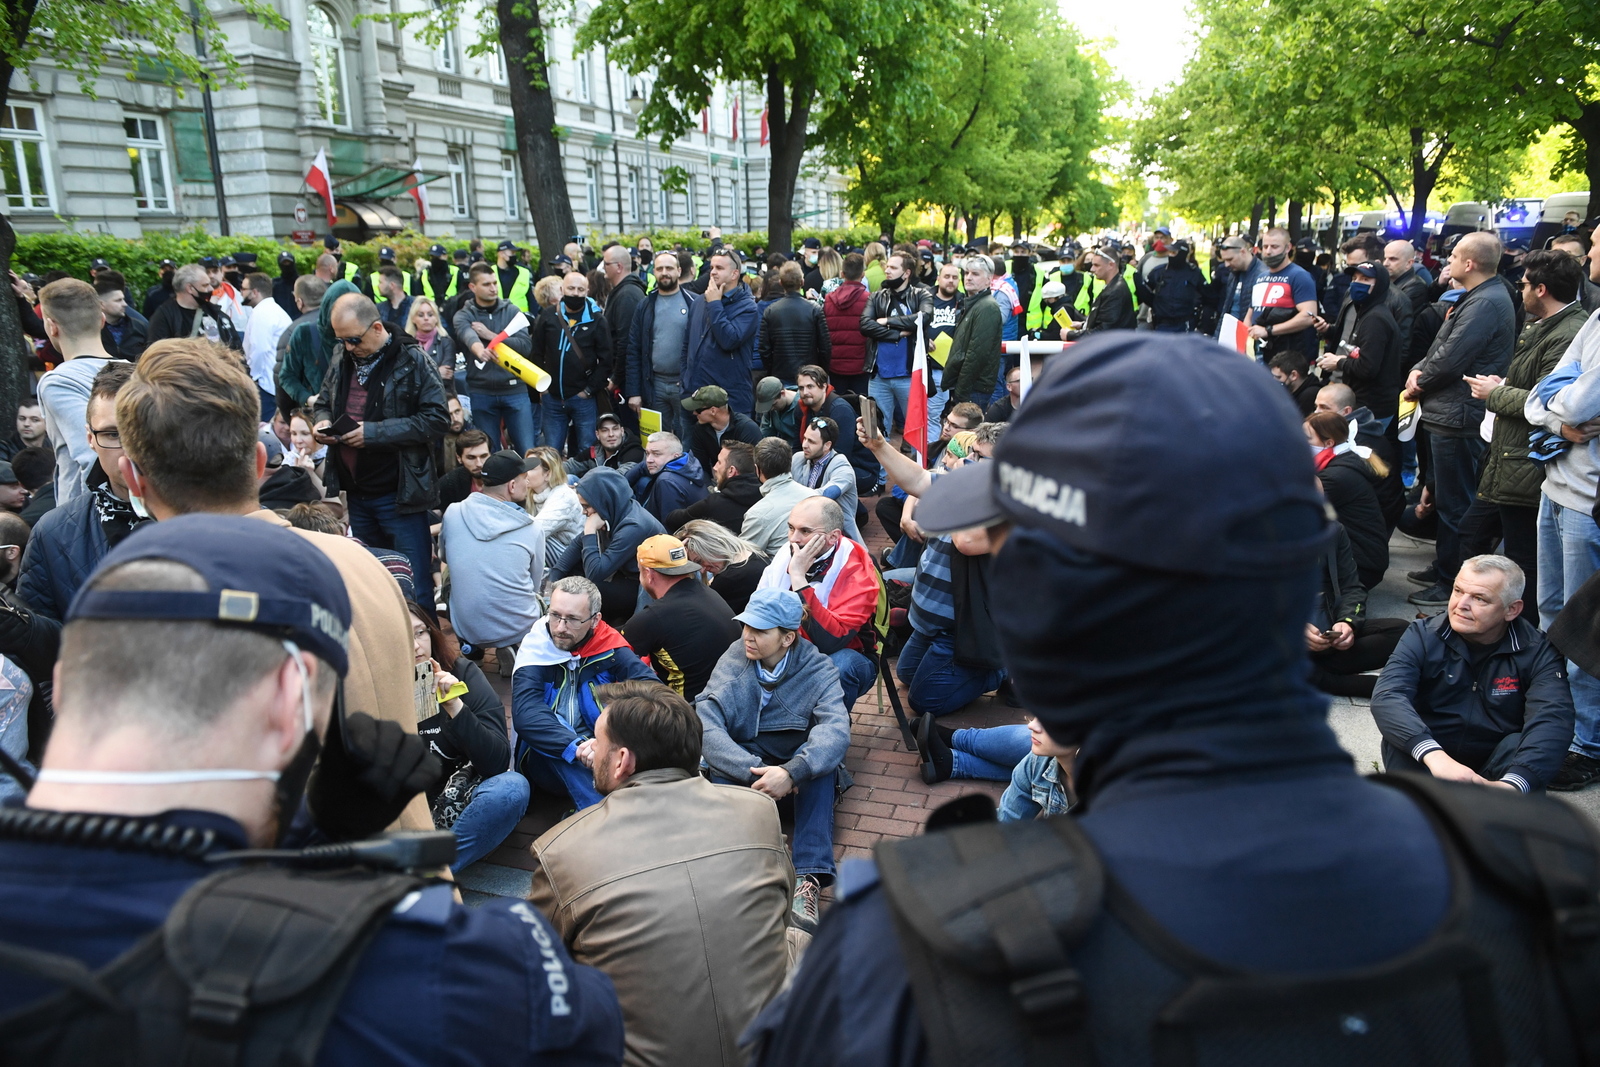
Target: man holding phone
[(382, 406)]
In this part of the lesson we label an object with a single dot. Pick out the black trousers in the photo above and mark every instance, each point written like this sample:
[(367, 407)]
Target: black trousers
[(890, 509), (1488, 525), (1338, 672)]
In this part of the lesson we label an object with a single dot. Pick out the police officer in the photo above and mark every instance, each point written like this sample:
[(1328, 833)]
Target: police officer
[(438, 281), (516, 281), (346, 271), (199, 665), (1152, 582)]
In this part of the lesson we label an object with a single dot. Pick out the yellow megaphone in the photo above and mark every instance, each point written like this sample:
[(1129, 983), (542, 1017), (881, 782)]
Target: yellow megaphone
[(520, 366)]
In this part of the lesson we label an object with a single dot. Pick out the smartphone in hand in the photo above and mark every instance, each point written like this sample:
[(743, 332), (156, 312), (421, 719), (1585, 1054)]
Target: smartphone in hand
[(342, 425), (869, 418)]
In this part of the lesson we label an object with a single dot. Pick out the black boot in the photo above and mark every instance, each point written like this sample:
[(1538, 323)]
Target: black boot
[(934, 742)]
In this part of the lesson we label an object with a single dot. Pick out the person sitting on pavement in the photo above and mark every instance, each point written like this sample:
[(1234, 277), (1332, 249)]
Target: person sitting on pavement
[(1351, 485), (766, 522), (479, 797), (1041, 782), (776, 720), (988, 754), (1477, 694), (701, 867), (686, 627), (715, 424), (1293, 371), (472, 451), (613, 526), (185, 728), (495, 552), (778, 409), (734, 564), (818, 399), (736, 490), (569, 652), (1344, 644), (821, 465), (615, 446), (838, 583), (553, 503), (668, 479), (1372, 442)]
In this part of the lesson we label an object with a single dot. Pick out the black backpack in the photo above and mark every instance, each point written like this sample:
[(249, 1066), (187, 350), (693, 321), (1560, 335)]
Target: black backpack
[(1022, 951), (247, 971)]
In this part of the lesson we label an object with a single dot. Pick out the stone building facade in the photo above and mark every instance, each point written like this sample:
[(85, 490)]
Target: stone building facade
[(133, 157)]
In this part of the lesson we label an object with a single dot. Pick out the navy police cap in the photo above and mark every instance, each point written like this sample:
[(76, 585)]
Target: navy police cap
[(1160, 451), (257, 575)]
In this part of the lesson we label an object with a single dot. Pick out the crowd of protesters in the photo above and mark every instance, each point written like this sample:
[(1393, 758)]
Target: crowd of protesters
[(662, 546)]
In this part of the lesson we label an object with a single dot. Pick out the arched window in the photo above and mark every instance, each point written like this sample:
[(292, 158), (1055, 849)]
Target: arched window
[(327, 64)]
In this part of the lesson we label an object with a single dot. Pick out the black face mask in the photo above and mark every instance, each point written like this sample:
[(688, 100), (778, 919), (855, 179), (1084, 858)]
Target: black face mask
[(1275, 261), (574, 303)]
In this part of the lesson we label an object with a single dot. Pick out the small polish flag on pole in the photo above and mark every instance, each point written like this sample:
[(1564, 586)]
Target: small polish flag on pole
[(733, 118), (705, 120), (765, 134), (417, 191), (916, 432), (321, 182)]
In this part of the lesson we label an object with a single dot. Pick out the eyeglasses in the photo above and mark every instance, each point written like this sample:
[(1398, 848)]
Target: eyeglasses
[(567, 622), (107, 438)]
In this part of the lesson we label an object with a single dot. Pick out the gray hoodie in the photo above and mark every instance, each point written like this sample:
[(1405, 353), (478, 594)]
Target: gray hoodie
[(1569, 479), (496, 556)]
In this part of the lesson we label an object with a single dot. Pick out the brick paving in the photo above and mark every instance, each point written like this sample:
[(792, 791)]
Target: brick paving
[(888, 800)]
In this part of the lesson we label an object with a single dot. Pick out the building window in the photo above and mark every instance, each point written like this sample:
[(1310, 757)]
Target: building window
[(591, 189), (497, 65), (690, 214), (447, 53), (457, 168), (585, 76), (23, 162), (663, 202), (733, 191), (716, 201), (508, 185), (327, 65), (633, 194), (147, 157)]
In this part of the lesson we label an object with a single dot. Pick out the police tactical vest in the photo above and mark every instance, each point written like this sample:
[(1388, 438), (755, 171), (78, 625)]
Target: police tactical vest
[(1022, 950), (247, 971)]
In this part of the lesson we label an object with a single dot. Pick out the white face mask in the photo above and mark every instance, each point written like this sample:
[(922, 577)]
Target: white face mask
[(201, 774), (135, 501)]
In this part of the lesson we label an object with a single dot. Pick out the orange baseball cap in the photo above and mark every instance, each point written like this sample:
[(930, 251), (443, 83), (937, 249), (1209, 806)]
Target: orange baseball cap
[(665, 554)]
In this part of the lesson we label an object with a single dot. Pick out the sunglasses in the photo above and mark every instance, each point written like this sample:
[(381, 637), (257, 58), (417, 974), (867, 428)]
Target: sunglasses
[(352, 341)]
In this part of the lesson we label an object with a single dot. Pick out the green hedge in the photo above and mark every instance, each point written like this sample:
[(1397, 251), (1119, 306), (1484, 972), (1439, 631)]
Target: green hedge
[(138, 259)]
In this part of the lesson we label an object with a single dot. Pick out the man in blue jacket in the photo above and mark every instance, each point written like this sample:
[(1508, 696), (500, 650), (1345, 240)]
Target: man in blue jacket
[(565, 657), (1477, 694), (722, 334), (668, 479)]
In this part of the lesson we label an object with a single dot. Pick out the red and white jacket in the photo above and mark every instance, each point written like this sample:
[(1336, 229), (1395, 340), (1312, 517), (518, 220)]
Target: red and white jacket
[(840, 602)]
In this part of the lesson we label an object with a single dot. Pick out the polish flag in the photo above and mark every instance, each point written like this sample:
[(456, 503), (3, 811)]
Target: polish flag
[(417, 191), (916, 433), (765, 134), (1234, 335), (733, 119), (321, 182), (705, 120)]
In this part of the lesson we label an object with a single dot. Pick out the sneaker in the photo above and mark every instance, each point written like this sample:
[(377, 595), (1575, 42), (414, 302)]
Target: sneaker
[(937, 760), (506, 660), (806, 909), (1428, 575), (1577, 771), (1435, 596)]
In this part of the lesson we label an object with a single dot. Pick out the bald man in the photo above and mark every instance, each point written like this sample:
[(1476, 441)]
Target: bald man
[(627, 292), (1400, 259), (1369, 433), (1476, 339)]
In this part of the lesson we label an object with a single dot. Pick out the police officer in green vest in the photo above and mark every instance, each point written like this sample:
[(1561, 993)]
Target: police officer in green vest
[(346, 271), (516, 281), (438, 280)]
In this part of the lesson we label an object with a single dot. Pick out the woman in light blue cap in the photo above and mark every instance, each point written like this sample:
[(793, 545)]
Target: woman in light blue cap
[(775, 720)]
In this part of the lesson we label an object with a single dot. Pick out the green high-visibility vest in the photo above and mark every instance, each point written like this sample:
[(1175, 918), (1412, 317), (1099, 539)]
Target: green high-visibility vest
[(1036, 299), (520, 288), (1128, 274), (1086, 294), (425, 280), (350, 271)]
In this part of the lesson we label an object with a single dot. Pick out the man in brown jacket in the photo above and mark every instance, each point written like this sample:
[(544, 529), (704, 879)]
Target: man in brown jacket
[(189, 419), (677, 889)]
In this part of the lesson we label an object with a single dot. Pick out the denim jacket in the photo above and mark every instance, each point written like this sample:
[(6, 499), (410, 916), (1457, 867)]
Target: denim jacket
[(1036, 789)]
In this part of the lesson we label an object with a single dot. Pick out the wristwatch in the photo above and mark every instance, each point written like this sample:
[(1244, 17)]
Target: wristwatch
[(1269, 331)]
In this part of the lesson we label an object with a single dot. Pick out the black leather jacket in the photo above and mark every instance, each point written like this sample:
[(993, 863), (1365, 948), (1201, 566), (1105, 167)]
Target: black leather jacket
[(916, 298), (794, 332)]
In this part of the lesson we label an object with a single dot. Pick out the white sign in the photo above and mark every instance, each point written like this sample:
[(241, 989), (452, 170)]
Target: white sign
[(301, 216)]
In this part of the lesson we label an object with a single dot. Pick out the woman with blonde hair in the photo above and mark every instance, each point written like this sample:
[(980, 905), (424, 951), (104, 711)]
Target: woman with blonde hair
[(547, 292), (875, 254), (733, 564), (422, 322), (830, 264), (554, 504)]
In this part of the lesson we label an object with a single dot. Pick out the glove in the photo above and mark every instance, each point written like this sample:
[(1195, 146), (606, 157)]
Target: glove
[(368, 773)]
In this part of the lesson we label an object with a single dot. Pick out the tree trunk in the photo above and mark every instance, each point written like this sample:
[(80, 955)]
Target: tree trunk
[(1333, 231), (1424, 176), (1255, 222), (787, 129), (1296, 220), (14, 345), (1587, 127), (945, 242), (533, 111), (1016, 227), (1272, 212)]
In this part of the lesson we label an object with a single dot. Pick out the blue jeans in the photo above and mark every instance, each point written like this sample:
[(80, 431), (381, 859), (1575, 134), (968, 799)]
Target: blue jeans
[(513, 410), (374, 520), (936, 401), (497, 805), (555, 775), (576, 411), (812, 842), (938, 684), (857, 674), (1568, 553), (893, 397), (992, 754), (1457, 462)]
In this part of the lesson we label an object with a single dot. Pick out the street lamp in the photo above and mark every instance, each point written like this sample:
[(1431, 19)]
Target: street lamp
[(635, 106)]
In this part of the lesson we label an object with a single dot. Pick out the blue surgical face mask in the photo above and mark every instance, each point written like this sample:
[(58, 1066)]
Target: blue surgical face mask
[(1068, 268), (1359, 291), (135, 500)]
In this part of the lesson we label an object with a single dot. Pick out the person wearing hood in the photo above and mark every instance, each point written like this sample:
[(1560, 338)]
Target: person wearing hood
[(1351, 486), (721, 337), (572, 342), (669, 479), (614, 525), (1211, 790), (736, 490), (305, 363), (1364, 343), (495, 552), (566, 656)]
